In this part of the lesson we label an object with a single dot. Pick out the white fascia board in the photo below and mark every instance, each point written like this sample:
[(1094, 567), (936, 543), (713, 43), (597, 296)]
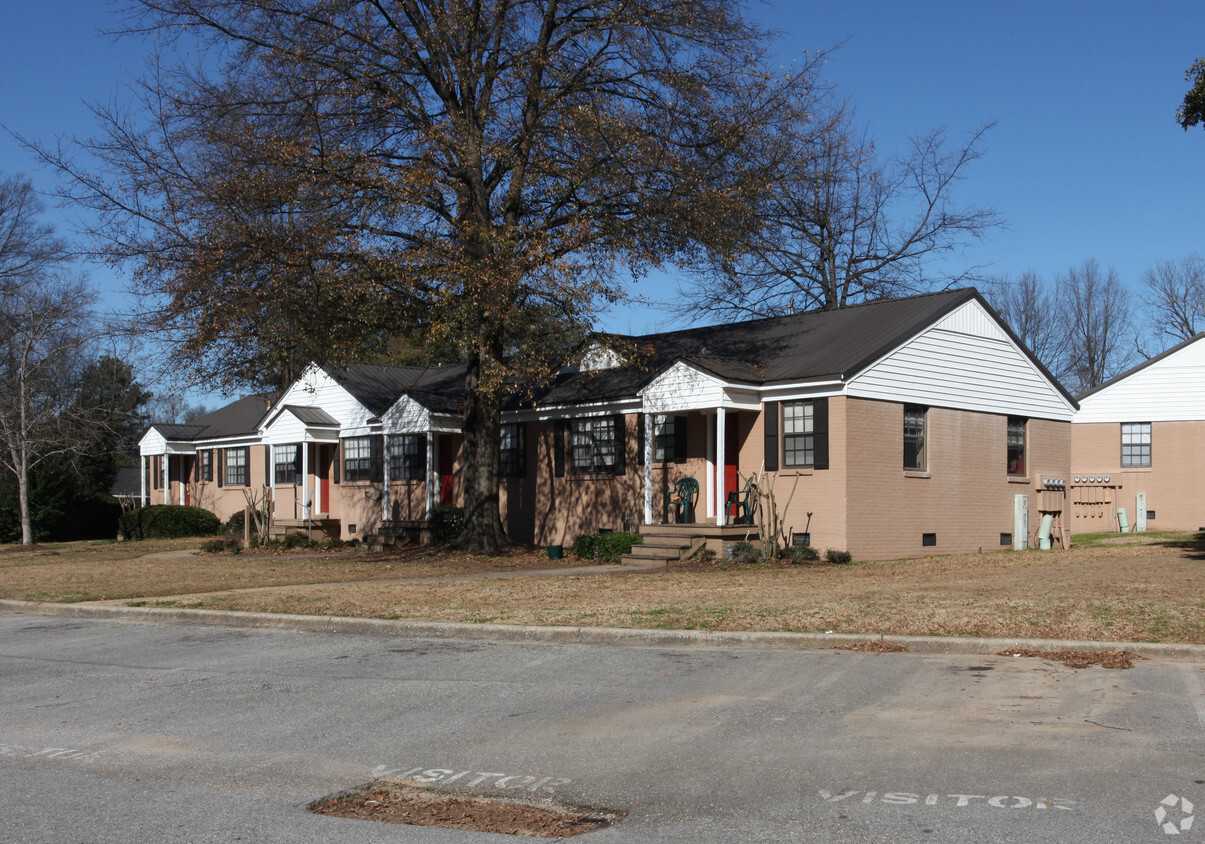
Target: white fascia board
[(446, 424), (683, 388), (801, 390), (230, 442)]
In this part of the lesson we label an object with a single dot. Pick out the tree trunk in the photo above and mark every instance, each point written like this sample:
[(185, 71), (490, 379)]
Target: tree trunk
[(481, 457), (23, 499)]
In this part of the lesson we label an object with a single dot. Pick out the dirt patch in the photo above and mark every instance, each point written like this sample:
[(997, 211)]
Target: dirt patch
[(1081, 659), (874, 647), (406, 803)]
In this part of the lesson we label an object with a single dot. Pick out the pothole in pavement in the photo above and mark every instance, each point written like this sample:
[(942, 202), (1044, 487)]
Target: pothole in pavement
[(401, 801)]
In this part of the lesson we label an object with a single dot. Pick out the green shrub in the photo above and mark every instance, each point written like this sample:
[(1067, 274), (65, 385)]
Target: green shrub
[(796, 554), (298, 540), (605, 547), (235, 524), (839, 557), (166, 521), (447, 523), (229, 545), (745, 553)]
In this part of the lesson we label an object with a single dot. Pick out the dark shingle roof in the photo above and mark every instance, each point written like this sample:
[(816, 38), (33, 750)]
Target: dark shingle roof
[(798, 347), (377, 386), (238, 417), (315, 416)]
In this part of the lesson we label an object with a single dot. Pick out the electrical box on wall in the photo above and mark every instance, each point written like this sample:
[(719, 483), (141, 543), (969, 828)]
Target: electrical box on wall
[(1020, 522), (1140, 512)]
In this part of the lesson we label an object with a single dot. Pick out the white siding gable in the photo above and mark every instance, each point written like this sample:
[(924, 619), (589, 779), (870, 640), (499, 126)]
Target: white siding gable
[(1169, 390), (682, 387), (315, 388), (406, 416), (964, 361), (152, 442)]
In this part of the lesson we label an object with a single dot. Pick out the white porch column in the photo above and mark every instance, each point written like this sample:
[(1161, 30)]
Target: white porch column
[(167, 479), (720, 441), (648, 468), (142, 473), (386, 508), (710, 508), (432, 474), (318, 502), (305, 480)]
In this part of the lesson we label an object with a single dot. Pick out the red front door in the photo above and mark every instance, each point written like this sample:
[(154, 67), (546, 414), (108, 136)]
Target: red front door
[(448, 446)]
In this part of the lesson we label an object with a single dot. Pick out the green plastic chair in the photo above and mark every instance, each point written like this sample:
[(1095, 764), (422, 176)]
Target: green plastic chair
[(680, 502), (739, 508)]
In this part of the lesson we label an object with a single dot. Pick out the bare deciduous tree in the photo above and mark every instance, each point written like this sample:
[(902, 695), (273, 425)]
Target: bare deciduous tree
[(1175, 298), (44, 324), (842, 225), (1099, 324), (1032, 310), (340, 171)]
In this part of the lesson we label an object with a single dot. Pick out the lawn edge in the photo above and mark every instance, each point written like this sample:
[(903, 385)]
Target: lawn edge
[(623, 636)]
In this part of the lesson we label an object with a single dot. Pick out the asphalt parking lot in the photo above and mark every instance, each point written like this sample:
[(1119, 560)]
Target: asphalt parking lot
[(114, 731)]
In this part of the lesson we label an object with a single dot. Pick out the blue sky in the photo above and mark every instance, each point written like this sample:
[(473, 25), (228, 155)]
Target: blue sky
[(1086, 160)]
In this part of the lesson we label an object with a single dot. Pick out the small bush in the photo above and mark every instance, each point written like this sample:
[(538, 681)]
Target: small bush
[(447, 523), (605, 547), (235, 524), (745, 553), (797, 554), (167, 521), (221, 546), (705, 555), (298, 540), (838, 557)]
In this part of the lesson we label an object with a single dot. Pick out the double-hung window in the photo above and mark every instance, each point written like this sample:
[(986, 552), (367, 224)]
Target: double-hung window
[(514, 449), (407, 457), (594, 445), (1135, 444), (237, 473), (286, 460), (665, 436), (915, 457), (357, 459), (1016, 446), (206, 459), (799, 433)]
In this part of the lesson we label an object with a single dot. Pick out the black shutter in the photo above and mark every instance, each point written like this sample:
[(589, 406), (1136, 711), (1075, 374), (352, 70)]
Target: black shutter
[(521, 432), (378, 458), (335, 463), (247, 465), (220, 467), (196, 467), (640, 439), (820, 432), (558, 448), (267, 466), (155, 472), (770, 412), (621, 444), (420, 470), (679, 439), (297, 479)]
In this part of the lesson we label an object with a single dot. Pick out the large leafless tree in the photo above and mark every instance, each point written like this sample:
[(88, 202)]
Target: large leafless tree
[(319, 174), (1032, 309), (45, 322), (845, 225), (1175, 298), (1099, 324)]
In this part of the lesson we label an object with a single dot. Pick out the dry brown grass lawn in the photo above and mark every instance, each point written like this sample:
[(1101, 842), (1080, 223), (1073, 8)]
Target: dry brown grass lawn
[(1134, 588)]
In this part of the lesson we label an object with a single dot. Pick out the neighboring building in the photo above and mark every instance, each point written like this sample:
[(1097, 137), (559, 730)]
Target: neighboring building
[(1138, 445), (888, 429)]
